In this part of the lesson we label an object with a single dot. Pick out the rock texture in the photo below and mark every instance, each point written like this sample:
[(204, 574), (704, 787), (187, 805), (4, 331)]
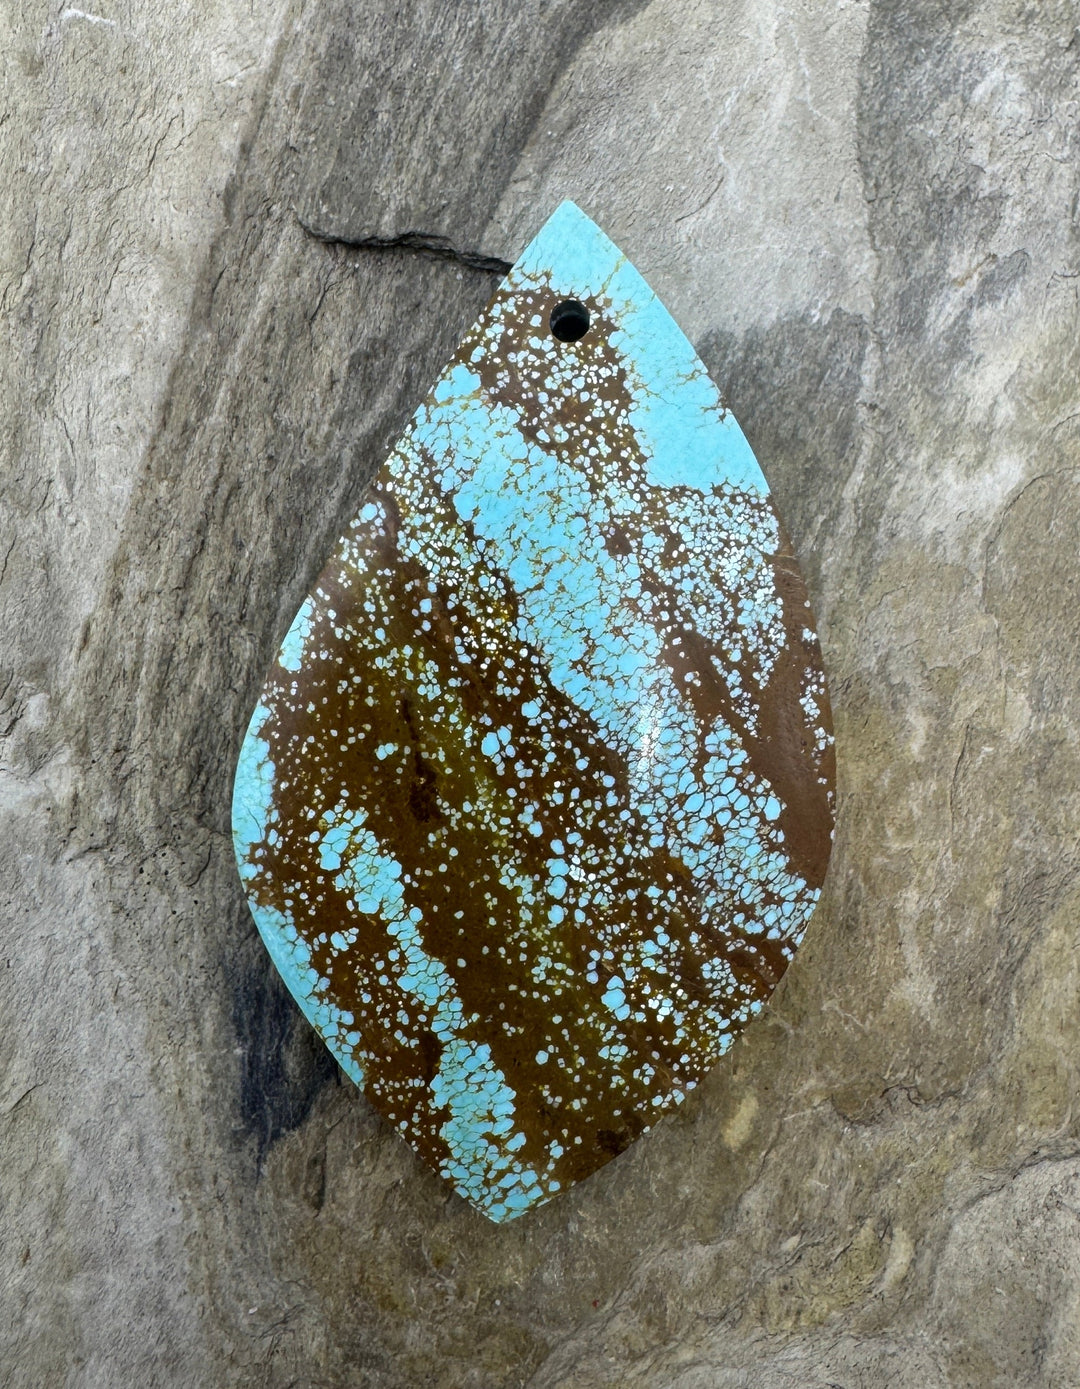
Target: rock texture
[(865, 216)]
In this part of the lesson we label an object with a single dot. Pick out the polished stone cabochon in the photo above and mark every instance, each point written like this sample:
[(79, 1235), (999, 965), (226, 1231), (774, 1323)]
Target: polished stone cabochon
[(537, 797)]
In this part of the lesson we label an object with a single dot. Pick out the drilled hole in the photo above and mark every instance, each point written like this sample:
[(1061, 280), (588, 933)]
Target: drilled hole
[(569, 320)]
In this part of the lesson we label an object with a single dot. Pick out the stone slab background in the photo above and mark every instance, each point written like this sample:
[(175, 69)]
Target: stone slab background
[(865, 215)]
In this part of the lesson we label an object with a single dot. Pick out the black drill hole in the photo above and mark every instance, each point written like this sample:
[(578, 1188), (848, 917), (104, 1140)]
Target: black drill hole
[(569, 320)]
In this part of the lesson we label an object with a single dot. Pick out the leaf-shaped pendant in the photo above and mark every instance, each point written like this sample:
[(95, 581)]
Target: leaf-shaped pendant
[(536, 799)]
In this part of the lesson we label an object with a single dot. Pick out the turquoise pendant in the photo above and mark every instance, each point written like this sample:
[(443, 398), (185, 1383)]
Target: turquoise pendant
[(537, 797)]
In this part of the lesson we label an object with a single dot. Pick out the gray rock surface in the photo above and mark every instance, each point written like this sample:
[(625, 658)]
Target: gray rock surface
[(864, 212)]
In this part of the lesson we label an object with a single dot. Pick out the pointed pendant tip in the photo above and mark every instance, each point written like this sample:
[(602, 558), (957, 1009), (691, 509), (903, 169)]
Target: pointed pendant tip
[(568, 213)]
